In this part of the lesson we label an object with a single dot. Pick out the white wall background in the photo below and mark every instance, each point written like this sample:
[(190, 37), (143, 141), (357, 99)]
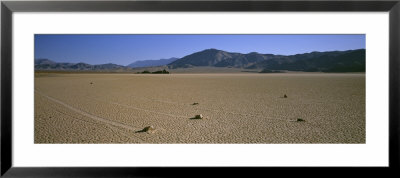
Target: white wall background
[(373, 153)]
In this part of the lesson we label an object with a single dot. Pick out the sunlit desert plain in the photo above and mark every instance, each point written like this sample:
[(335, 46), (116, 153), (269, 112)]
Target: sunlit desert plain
[(236, 108)]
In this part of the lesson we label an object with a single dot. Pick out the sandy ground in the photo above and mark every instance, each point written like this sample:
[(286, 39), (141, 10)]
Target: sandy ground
[(237, 108)]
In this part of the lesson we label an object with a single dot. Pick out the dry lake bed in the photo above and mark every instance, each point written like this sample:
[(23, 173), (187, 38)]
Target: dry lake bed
[(235, 108)]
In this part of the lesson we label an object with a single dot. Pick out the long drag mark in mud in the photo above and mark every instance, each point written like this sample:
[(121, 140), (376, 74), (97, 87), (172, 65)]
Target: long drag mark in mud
[(108, 122)]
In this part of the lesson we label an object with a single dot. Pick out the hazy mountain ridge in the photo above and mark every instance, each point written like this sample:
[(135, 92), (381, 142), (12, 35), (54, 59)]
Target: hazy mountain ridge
[(46, 64), (331, 61), (151, 63), (218, 58)]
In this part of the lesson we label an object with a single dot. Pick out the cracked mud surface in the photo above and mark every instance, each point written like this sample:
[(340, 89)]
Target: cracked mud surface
[(237, 108)]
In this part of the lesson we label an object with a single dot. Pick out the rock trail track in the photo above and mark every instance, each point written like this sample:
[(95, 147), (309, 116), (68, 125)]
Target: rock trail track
[(186, 105), (99, 119), (121, 125)]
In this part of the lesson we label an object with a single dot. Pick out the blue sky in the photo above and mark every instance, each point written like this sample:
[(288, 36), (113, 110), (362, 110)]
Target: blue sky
[(125, 49)]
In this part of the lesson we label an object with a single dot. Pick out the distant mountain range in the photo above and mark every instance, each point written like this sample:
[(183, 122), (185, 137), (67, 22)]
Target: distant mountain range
[(151, 63), (46, 64), (331, 61)]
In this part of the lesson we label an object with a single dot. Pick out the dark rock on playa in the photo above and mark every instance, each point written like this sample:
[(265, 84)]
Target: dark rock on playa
[(198, 117), (297, 120), (148, 129)]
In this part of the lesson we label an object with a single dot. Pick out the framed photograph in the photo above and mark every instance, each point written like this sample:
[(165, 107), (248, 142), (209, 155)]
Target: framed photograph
[(154, 88)]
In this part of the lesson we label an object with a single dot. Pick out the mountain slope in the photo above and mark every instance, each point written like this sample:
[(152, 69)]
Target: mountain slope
[(218, 58), (45, 64), (337, 61), (332, 61), (151, 63)]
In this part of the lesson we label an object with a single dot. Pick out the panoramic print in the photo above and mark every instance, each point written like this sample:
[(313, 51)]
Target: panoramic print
[(199, 88)]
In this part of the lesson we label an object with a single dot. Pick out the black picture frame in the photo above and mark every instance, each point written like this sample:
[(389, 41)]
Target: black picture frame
[(8, 7)]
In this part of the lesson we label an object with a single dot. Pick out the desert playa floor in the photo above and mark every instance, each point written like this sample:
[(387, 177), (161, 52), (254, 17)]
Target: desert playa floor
[(236, 108)]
